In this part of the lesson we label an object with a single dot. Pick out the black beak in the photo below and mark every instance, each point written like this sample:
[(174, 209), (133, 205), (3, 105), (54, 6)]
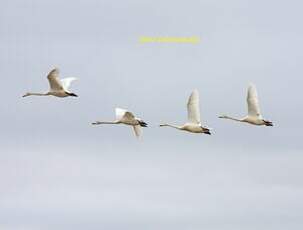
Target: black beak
[(207, 132)]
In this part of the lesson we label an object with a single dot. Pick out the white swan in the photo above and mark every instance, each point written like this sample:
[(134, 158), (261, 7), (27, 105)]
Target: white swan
[(194, 122), (58, 88), (254, 116), (125, 117)]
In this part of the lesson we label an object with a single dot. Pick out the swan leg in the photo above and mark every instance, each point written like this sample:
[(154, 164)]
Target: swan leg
[(72, 94)]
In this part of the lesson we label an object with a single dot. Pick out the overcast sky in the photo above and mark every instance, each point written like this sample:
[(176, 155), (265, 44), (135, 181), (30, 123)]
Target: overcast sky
[(59, 172)]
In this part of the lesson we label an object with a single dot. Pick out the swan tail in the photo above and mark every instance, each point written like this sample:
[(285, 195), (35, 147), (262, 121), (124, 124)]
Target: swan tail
[(207, 131), (143, 124), (268, 123)]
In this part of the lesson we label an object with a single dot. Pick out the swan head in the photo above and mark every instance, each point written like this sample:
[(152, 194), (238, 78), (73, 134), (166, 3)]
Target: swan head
[(223, 116), (26, 95)]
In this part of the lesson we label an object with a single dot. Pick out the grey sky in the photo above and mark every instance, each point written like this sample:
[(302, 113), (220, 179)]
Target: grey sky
[(59, 172)]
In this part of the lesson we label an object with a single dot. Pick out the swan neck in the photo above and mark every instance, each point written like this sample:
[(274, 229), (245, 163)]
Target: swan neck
[(36, 94), (105, 122), (172, 126), (232, 118)]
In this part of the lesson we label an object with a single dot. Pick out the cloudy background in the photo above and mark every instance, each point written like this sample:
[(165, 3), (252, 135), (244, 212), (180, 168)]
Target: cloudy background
[(59, 172)]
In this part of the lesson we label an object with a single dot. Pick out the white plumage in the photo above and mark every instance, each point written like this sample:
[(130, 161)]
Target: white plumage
[(66, 82), (254, 116), (120, 113), (194, 120), (58, 88), (253, 102), (127, 118), (193, 108), (137, 130)]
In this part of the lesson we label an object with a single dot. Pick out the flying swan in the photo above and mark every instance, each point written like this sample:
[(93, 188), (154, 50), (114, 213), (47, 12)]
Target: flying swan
[(194, 122), (127, 118), (58, 88), (254, 116)]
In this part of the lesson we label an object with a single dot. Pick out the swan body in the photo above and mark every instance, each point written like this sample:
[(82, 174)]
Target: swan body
[(194, 119), (193, 128), (127, 118), (58, 88), (254, 116)]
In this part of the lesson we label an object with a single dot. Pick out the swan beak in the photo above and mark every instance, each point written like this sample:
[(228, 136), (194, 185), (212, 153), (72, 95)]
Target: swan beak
[(207, 132)]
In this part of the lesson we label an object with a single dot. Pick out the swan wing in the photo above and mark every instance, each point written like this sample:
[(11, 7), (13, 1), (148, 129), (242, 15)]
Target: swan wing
[(128, 116), (193, 109), (54, 81), (120, 113), (253, 102), (137, 130), (66, 82)]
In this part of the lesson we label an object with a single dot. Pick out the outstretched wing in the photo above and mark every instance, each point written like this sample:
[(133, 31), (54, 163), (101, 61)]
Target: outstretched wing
[(120, 113), (137, 130), (66, 82), (54, 81), (253, 102), (193, 109)]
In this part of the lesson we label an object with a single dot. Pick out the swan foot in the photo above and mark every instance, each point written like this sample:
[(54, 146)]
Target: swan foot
[(268, 123)]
